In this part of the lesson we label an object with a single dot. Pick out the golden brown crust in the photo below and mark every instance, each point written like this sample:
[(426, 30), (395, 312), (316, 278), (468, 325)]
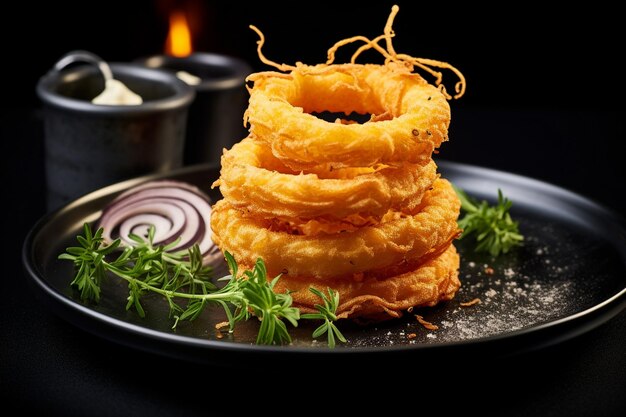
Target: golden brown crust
[(252, 179), (279, 109), (375, 247), (435, 281)]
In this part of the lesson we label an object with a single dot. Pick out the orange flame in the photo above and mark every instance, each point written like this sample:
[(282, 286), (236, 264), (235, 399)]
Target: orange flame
[(178, 41)]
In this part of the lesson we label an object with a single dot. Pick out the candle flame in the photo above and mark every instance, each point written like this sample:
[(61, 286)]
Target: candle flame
[(178, 41)]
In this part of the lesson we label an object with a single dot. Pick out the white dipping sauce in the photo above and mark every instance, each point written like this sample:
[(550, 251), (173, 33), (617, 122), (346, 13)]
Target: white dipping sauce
[(116, 93)]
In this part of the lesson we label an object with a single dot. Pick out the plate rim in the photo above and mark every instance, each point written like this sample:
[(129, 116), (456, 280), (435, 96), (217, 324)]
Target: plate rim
[(604, 310)]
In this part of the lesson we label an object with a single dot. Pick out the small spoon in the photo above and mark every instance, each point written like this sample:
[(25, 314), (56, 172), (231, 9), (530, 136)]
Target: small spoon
[(115, 92)]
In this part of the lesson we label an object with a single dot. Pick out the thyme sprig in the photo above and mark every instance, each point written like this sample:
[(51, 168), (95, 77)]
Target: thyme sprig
[(186, 284), (492, 226), (258, 297), (327, 313)]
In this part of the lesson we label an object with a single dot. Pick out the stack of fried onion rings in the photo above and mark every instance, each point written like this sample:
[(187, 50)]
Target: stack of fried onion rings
[(355, 207)]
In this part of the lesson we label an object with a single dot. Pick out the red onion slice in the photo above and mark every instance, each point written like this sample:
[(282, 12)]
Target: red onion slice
[(177, 210)]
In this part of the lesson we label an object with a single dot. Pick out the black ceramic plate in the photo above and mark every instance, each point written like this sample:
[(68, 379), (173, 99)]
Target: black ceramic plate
[(569, 277)]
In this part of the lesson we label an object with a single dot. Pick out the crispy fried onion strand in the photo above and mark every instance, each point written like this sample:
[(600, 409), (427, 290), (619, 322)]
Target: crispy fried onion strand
[(388, 52)]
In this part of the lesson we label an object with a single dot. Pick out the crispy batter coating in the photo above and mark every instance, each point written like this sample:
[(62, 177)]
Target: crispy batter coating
[(325, 256), (253, 180), (279, 114), (434, 281)]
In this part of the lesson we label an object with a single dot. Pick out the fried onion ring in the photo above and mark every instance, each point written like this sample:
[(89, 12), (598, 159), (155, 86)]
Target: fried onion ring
[(434, 281), (279, 107), (375, 247), (252, 179)]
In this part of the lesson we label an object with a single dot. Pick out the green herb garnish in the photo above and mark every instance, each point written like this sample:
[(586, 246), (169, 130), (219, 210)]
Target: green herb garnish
[(181, 276), (258, 296), (494, 230), (326, 312)]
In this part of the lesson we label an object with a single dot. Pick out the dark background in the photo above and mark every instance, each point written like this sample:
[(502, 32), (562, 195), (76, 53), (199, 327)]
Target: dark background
[(545, 99), (523, 55), (549, 80)]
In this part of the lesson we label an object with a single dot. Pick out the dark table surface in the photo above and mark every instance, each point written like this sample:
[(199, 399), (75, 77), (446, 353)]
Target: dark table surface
[(48, 365)]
